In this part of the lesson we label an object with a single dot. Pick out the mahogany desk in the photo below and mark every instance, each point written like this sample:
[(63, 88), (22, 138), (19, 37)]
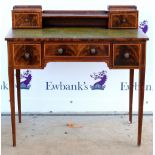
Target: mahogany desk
[(34, 48)]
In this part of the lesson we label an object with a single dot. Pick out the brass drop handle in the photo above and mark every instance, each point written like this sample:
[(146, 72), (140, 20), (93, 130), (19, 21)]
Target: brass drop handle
[(126, 55), (60, 51), (93, 51), (27, 55)]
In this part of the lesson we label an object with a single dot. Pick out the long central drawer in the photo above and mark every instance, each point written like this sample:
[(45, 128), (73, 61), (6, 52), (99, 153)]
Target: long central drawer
[(69, 49)]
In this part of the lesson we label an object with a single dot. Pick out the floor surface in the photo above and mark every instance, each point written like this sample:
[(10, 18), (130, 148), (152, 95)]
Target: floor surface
[(77, 135)]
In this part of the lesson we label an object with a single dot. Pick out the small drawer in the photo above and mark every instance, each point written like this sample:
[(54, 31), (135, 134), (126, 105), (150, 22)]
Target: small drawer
[(27, 20), (95, 50), (53, 49), (126, 55), (124, 20), (27, 55)]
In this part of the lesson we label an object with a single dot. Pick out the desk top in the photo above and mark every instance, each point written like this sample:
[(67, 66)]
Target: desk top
[(75, 33)]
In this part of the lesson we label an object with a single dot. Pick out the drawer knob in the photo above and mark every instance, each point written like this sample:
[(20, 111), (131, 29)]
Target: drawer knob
[(126, 55), (27, 55), (26, 19), (60, 51), (124, 20), (93, 51)]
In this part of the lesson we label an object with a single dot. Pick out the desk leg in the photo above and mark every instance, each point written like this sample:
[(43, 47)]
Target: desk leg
[(18, 93), (12, 103), (131, 94), (141, 103)]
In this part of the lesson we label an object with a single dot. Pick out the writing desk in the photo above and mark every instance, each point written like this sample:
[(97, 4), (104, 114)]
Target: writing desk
[(34, 48)]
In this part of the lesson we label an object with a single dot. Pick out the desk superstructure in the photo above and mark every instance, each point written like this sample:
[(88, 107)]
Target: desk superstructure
[(38, 37)]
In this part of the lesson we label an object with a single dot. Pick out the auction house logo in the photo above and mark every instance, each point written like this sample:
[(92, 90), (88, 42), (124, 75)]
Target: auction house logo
[(102, 78), (144, 26), (26, 78)]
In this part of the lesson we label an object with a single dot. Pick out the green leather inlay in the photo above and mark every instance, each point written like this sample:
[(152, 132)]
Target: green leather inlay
[(75, 32)]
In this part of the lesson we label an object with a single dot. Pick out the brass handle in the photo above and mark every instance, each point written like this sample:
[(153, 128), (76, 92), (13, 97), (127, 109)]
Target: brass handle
[(60, 50), (93, 51), (126, 55), (27, 55)]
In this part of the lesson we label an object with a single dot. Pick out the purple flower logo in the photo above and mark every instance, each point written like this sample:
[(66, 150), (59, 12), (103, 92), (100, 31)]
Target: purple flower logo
[(26, 78), (144, 26), (102, 78)]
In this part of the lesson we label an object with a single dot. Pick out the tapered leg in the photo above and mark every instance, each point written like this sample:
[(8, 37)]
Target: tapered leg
[(141, 103), (131, 94), (18, 93), (12, 103)]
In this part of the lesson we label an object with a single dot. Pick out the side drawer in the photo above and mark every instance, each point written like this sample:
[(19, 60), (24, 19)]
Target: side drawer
[(126, 55), (27, 55), (27, 20), (124, 20)]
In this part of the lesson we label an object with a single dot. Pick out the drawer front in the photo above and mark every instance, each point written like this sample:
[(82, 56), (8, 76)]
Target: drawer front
[(76, 50), (126, 55), (27, 55), (128, 20), (59, 50), (26, 20), (95, 50)]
